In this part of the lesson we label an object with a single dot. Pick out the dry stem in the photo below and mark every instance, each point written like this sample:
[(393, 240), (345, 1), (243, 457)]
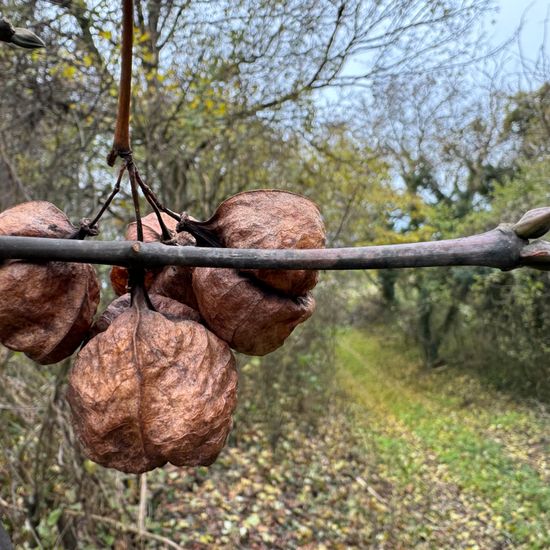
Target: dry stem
[(121, 143)]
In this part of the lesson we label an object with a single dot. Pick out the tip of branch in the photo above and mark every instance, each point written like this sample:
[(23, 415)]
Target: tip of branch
[(111, 157), (536, 255), (533, 224), (19, 36)]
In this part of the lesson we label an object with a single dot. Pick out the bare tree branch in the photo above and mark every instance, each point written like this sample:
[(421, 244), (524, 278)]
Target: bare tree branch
[(499, 248)]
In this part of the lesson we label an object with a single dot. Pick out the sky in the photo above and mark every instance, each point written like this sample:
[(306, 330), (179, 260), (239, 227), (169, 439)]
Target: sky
[(510, 14)]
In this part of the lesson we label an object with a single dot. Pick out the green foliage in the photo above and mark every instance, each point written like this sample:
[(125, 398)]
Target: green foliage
[(496, 323), (288, 389), (493, 323), (527, 118), (439, 431)]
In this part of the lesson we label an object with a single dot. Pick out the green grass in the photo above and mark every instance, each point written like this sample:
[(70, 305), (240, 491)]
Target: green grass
[(445, 424), (403, 458)]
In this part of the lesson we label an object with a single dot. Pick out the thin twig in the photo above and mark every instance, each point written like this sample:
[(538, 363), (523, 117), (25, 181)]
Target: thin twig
[(125, 528), (506, 247), (110, 198), (142, 512), (135, 197), (150, 195), (153, 201)]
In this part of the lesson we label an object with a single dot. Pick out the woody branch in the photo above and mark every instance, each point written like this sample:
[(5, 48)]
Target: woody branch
[(506, 247)]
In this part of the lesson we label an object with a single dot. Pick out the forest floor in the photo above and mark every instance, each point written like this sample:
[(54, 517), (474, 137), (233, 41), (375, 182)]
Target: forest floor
[(406, 458), (467, 467)]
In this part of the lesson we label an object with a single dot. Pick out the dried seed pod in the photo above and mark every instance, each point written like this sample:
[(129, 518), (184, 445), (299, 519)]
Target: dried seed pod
[(36, 219), (119, 279), (171, 309), (47, 308), (152, 232), (149, 390), (251, 319), (269, 218), (176, 282)]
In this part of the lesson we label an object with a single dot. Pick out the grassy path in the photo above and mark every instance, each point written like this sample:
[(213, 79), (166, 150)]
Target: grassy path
[(469, 468), (401, 459)]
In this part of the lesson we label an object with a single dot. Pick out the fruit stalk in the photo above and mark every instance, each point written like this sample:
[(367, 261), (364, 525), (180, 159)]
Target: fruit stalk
[(121, 143)]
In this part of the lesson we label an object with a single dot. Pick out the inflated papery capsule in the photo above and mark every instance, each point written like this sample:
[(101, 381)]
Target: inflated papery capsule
[(171, 309), (175, 283), (36, 219), (251, 319), (150, 390), (46, 308), (268, 218)]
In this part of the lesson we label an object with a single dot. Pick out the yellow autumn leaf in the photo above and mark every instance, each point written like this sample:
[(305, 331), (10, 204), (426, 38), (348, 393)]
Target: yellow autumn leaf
[(222, 109), (143, 38), (148, 57), (68, 72)]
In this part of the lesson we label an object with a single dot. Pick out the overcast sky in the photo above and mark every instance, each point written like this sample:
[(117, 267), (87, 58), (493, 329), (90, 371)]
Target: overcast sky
[(534, 12)]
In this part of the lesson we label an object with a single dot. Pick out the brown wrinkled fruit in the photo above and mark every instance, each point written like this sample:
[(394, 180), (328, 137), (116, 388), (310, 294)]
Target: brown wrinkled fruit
[(152, 232), (46, 308), (176, 282), (171, 309), (251, 319), (119, 279), (36, 219), (269, 218), (149, 390)]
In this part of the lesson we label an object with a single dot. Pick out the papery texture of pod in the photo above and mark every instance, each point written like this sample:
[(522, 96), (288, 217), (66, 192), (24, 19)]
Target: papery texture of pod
[(148, 391), (152, 232), (171, 309), (269, 218), (46, 308), (35, 219), (251, 319), (176, 282), (119, 279)]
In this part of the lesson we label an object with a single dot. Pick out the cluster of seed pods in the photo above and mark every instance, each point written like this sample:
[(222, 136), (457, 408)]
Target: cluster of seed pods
[(155, 380)]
